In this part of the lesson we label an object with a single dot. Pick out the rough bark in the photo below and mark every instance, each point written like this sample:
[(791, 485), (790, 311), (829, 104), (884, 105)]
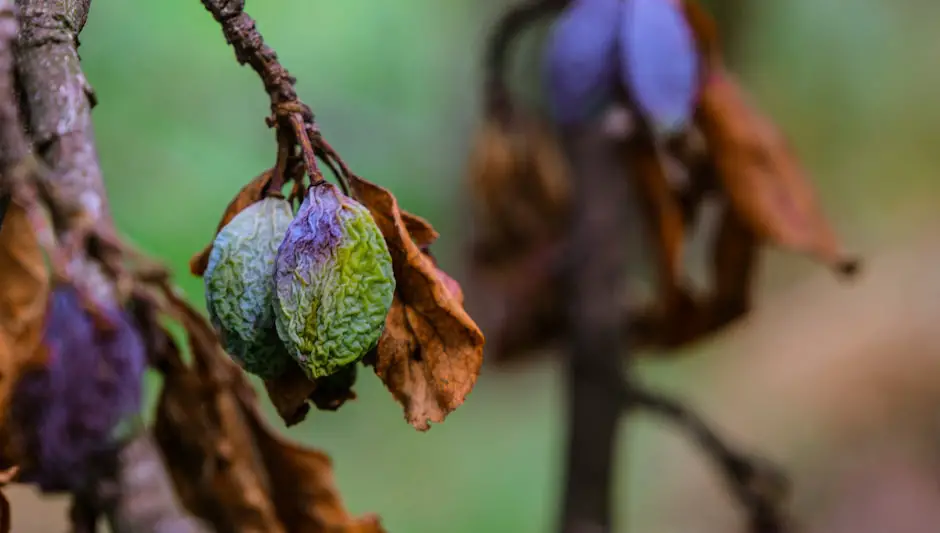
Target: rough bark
[(56, 116)]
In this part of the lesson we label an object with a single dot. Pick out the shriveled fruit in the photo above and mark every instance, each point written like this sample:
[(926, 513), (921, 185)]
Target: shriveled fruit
[(67, 415), (240, 286), (333, 282)]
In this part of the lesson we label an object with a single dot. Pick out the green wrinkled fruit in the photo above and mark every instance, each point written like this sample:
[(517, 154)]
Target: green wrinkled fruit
[(333, 282), (240, 286)]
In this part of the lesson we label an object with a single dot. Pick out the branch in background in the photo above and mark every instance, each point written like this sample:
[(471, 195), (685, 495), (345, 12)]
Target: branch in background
[(57, 107), (510, 25), (597, 280), (759, 488)]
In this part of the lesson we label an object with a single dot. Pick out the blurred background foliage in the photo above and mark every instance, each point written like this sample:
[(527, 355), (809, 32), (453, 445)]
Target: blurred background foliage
[(394, 86)]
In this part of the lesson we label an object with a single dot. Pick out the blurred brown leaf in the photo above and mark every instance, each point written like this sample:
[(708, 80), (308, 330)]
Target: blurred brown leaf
[(762, 177), (705, 31), (228, 467), (249, 194), (25, 290), (429, 355), (519, 187)]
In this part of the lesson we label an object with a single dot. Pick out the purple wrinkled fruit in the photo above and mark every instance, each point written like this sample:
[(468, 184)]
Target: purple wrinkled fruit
[(68, 412)]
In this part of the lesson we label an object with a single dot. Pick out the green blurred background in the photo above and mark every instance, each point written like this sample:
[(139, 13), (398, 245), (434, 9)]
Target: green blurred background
[(394, 86)]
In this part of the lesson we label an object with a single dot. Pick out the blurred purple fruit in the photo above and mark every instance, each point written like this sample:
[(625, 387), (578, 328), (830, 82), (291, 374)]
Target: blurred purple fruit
[(659, 62), (581, 61), (67, 413)]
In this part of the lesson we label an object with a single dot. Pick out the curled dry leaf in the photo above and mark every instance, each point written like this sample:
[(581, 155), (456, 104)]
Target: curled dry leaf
[(227, 465), (758, 171), (292, 392), (429, 355), (249, 194), (421, 231), (762, 178)]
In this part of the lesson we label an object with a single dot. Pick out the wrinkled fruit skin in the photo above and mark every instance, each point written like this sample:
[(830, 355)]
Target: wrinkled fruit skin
[(334, 282), (239, 282), (598, 47), (67, 414)]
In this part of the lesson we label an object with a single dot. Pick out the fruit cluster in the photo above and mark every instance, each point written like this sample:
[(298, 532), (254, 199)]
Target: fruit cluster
[(311, 289)]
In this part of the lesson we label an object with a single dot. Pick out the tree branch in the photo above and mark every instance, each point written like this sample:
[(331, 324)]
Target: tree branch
[(498, 48), (596, 282), (294, 120), (57, 109), (759, 487), (599, 388)]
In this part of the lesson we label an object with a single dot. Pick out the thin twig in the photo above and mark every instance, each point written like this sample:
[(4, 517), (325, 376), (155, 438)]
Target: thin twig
[(759, 488), (288, 112), (499, 45)]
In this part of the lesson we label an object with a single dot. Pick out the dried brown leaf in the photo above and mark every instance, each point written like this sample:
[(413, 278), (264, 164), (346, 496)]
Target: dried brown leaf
[(249, 194), (201, 429), (518, 302), (25, 289), (302, 486), (227, 465), (519, 187), (431, 351), (24, 295), (762, 177), (665, 222), (289, 394), (734, 261), (421, 231), (705, 31), (292, 392)]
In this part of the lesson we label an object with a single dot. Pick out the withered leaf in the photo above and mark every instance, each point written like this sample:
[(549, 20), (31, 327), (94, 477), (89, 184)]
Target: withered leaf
[(762, 177), (302, 486), (518, 302), (519, 187), (705, 31), (228, 467), (291, 392), (201, 429), (430, 353), (249, 194), (665, 220), (421, 231), (25, 289)]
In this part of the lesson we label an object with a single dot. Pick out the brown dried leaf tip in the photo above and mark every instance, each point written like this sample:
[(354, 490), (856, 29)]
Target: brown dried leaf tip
[(763, 178), (228, 466), (430, 353)]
